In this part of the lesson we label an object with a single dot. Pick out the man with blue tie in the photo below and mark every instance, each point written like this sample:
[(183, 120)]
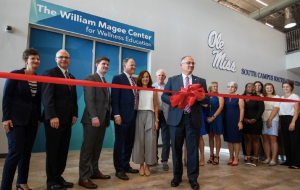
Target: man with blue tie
[(185, 123), (124, 103)]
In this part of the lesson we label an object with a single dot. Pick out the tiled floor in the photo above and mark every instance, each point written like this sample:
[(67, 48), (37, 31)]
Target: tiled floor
[(220, 176)]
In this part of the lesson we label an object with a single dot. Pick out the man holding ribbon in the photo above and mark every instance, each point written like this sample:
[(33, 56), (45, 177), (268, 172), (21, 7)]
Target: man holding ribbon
[(124, 104), (185, 123), (60, 113), (95, 120)]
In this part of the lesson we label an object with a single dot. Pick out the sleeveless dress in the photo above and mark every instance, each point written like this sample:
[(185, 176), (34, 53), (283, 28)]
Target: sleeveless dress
[(215, 127), (231, 109)]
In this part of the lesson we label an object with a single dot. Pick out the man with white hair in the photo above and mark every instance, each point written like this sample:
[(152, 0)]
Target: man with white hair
[(162, 117)]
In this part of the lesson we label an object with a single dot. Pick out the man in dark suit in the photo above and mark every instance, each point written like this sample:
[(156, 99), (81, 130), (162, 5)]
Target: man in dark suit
[(124, 104), (95, 120), (185, 123), (60, 113)]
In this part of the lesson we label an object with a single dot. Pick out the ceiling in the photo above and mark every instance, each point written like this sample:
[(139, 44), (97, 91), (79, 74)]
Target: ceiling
[(276, 19)]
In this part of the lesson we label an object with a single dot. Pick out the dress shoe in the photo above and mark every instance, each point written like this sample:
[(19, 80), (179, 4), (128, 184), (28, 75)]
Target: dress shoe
[(66, 184), (122, 176), (87, 184), (133, 171), (100, 176), (56, 187), (175, 182), (19, 186), (194, 184)]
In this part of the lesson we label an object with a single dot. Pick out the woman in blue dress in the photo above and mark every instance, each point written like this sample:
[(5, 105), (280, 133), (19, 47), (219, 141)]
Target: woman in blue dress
[(214, 122), (233, 123)]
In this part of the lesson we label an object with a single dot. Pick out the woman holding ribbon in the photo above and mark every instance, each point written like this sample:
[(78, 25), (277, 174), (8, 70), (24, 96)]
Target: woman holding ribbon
[(270, 125), (233, 123), (144, 148), (290, 126), (21, 107), (252, 125), (214, 122)]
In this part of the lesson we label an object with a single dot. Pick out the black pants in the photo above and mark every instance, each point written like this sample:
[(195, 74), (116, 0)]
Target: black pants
[(291, 140), (165, 138), (20, 143), (57, 148)]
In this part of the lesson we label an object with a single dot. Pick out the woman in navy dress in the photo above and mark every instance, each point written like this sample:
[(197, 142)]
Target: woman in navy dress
[(21, 107), (233, 123), (214, 122)]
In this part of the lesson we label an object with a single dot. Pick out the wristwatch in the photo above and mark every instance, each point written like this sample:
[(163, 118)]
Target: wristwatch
[(157, 120), (213, 117)]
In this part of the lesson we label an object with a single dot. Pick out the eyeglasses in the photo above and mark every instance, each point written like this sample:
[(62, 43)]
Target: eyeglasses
[(63, 57), (189, 63)]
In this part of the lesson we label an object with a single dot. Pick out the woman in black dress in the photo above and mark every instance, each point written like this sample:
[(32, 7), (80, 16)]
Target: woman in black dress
[(252, 125)]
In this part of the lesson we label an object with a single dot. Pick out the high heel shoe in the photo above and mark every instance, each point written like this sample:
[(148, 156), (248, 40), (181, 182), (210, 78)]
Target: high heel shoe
[(216, 163), (147, 174), (19, 186), (211, 160)]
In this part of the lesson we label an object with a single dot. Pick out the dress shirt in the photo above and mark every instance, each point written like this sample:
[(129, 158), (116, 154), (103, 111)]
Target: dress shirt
[(128, 76), (159, 102), (190, 79), (63, 71)]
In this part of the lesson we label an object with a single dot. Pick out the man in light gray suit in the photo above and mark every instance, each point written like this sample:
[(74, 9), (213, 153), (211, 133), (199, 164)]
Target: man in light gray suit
[(95, 120), (163, 110)]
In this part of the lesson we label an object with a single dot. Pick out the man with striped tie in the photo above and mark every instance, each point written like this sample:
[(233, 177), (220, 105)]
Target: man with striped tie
[(60, 113), (124, 103), (185, 123)]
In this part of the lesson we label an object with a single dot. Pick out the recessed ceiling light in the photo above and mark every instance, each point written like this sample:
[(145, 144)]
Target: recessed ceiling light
[(265, 4)]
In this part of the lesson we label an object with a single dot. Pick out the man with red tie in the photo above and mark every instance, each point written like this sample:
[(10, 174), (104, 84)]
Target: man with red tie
[(185, 123), (124, 104), (60, 113), (95, 120)]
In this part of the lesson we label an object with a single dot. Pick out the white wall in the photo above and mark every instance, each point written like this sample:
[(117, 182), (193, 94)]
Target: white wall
[(181, 28)]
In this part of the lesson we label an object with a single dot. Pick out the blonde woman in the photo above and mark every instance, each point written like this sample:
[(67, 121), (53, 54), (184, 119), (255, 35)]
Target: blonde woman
[(270, 125), (214, 122)]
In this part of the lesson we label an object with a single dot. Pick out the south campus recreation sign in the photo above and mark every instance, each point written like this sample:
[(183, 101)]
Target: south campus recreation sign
[(55, 16)]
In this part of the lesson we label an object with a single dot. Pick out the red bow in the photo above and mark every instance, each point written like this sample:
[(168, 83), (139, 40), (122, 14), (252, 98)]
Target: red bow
[(187, 96)]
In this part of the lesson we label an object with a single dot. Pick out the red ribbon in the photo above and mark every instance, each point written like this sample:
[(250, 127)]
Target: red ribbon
[(185, 95)]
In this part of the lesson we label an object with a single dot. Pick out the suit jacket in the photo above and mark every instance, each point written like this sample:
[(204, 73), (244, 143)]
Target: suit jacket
[(18, 104), (96, 101), (175, 114), (58, 100), (122, 100)]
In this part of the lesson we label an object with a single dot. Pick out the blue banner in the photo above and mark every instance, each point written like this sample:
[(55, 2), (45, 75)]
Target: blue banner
[(55, 16)]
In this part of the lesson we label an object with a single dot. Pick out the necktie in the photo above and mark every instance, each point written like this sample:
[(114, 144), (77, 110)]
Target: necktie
[(68, 77), (106, 90), (187, 82), (136, 103)]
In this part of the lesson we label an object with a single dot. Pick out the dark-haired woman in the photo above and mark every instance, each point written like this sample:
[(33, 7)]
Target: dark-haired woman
[(252, 125), (21, 107), (290, 126), (258, 88), (144, 148)]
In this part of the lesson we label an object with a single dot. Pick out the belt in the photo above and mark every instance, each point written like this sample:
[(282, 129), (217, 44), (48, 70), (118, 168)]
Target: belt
[(185, 112)]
